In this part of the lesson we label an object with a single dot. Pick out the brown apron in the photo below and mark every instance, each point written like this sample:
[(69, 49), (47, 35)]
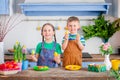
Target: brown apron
[(72, 54)]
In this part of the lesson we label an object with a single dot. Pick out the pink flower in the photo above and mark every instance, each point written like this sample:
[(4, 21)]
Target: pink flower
[(106, 48), (107, 44), (24, 49)]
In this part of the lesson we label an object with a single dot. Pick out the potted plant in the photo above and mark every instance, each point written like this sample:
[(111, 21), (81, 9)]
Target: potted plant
[(101, 28), (20, 55), (24, 61)]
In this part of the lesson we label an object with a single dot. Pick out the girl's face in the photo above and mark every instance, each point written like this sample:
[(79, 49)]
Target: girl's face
[(48, 32), (73, 26)]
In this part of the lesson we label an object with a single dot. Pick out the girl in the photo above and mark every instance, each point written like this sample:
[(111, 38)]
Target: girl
[(48, 51)]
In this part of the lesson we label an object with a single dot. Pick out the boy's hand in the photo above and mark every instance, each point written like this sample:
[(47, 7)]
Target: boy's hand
[(78, 38), (66, 36), (79, 42)]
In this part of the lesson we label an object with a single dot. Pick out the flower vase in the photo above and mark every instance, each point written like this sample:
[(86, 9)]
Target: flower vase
[(107, 62), (105, 40), (1, 52)]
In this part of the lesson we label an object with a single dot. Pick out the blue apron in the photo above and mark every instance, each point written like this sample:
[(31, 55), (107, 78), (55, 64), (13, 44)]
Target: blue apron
[(46, 57)]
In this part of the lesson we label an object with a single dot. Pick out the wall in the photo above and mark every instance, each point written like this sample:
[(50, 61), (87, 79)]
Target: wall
[(60, 1), (27, 34), (116, 8)]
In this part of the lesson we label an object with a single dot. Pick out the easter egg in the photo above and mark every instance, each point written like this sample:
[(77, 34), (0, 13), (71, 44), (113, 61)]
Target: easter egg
[(55, 54), (33, 52), (66, 32)]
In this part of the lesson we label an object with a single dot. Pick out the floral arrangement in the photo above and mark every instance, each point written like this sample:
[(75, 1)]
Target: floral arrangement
[(106, 49), (19, 52), (7, 23)]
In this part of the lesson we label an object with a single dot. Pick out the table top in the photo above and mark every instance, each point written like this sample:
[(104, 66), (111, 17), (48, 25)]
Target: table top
[(95, 58), (58, 74)]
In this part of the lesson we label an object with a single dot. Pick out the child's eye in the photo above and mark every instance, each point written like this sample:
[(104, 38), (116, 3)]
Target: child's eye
[(74, 25), (70, 25), (44, 30)]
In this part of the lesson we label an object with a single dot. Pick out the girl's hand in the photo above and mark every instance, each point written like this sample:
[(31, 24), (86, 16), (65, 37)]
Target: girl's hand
[(33, 58), (57, 59)]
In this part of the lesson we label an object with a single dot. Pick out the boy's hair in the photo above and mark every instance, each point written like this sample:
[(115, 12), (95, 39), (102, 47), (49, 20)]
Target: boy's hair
[(72, 18), (52, 28)]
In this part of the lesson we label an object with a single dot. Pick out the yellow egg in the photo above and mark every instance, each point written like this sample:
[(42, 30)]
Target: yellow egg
[(46, 67), (55, 54), (66, 28), (33, 52), (66, 32), (58, 27)]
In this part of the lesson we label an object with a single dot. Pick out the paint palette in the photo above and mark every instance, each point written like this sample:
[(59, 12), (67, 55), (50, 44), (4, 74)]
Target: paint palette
[(40, 68)]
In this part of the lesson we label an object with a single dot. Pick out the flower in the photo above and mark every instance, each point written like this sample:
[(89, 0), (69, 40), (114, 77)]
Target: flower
[(106, 49), (19, 52), (24, 51)]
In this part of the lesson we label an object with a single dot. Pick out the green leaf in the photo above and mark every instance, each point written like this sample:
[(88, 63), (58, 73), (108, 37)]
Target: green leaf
[(101, 28), (115, 73)]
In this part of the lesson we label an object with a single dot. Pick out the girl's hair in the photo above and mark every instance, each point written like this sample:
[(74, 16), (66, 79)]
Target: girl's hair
[(52, 28), (72, 18)]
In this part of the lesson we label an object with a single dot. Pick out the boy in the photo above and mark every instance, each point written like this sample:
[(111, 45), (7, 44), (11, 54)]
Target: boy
[(72, 45)]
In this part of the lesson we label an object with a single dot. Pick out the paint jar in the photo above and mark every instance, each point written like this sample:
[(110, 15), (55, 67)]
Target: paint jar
[(25, 64), (115, 64)]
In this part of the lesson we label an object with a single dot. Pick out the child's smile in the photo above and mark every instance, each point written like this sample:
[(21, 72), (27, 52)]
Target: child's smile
[(48, 32), (73, 27)]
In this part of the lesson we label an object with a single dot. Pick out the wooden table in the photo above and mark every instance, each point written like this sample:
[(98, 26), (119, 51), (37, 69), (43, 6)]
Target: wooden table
[(95, 57), (58, 74)]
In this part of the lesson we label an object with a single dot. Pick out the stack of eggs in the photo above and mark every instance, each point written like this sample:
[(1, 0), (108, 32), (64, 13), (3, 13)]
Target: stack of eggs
[(97, 67)]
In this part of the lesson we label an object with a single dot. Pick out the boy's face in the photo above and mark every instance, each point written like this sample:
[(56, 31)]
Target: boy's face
[(48, 32), (73, 26)]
